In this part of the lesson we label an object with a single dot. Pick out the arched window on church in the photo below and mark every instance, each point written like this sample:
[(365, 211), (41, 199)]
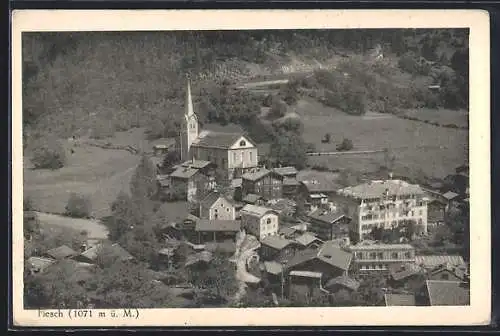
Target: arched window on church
[(243, 143)]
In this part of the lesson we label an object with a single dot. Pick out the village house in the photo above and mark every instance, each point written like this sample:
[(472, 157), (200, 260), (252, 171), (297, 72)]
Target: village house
[(288, 178), (385, 204), (39, 264), (436, 213), (262, 182), (447, 293), (408, 276), (259, 221), (217, 207), (288, 232), (113, 251), (60, 253), (253, 199), (450, 272), (329, 260), (284, 207), (277, 248), (329, 225), (192, 180), (379, 257), (308, 240), (162, 146), (313, 183), (216, 230), (317, 201)]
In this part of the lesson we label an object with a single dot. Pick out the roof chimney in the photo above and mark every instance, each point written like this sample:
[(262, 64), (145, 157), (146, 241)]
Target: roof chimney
[(390, 175)]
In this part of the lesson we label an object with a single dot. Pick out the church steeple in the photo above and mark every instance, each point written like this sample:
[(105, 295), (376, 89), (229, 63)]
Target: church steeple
[(189, 129), (189, 100)]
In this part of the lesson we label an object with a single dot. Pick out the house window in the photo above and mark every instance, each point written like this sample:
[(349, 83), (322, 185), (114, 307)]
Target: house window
[(235, 158), (373, 255), (394, 255), (444, 276), (268, 221), (250, 156), (216, 216), (380, 255), (407, 255), (242, 156), (243, 143), (420, 212)]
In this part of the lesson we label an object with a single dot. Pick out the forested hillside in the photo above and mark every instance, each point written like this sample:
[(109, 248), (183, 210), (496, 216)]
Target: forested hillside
[(101, 82)]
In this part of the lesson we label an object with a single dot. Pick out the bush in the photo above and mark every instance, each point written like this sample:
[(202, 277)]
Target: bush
[(345, 145), (78, 206), (278, 109), (49, 154), (155, 129)]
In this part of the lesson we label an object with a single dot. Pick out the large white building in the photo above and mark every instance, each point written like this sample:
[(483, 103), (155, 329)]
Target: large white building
[(259, 221), (386, 204)]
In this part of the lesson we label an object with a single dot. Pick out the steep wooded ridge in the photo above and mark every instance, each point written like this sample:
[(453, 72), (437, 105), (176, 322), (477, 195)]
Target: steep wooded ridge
[(103, 81)]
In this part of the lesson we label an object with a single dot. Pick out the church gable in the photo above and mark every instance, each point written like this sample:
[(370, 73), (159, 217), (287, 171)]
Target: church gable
[(243, 142)]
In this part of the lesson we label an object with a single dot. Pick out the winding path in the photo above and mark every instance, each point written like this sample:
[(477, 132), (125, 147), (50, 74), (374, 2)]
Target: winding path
[(246, 245)]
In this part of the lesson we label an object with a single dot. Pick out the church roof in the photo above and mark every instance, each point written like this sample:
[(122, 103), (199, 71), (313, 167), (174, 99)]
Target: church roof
[(218, 139)]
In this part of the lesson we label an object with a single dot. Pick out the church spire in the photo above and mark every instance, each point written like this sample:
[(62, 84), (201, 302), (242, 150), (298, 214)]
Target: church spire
[(189, 101)]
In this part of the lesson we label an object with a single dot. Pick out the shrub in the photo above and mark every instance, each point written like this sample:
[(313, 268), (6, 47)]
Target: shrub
[(155, 129), (49, 154), (78, 206), (345, 145), (278, 109)]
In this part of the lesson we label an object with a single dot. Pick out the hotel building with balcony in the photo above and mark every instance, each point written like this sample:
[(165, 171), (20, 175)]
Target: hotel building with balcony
[(385, 204)]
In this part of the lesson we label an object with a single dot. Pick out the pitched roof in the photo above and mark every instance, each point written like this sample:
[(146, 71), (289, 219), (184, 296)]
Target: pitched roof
[(273, 267), (320, 184), (251, 198), (432, 261), (276, 242), (115, 250), (329, 253), (327, 216), (256, 175), (344, 281), (334, 255), (290, 181), (283, 204), (215, 225), (212, 198), (196, 164), (204, 256), (447, 293), (285, 171), (306, 239), (236, 183), (459, 271), (255, 210), (184, 172), (287, 230), (61, 252), (450, 195), (218, 139), (375, 189), (40, 263), (405, 300), (401, 272)]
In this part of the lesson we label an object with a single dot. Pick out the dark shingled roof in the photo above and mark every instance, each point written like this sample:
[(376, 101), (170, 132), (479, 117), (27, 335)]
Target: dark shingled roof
[(399, 300), (327, 216), (114, 250), (276, 242), (218, 225), (211, 198), (61, 252), (251, 198), (256, 175), (285, 171), (329, 253), (401, 272), (447, 293)]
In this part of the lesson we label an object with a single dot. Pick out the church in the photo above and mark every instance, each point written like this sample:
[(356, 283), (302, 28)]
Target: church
[(233, 153)]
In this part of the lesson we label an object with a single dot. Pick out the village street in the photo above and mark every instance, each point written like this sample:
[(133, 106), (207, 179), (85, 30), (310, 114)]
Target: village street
[(246, 246)]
